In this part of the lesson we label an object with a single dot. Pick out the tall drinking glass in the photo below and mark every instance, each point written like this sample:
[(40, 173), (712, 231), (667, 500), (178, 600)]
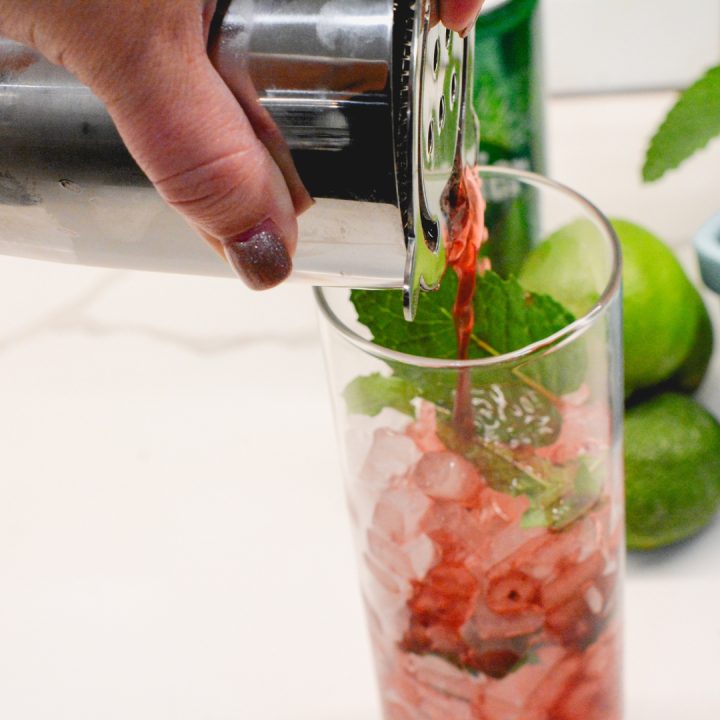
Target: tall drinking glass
[(491, 561)]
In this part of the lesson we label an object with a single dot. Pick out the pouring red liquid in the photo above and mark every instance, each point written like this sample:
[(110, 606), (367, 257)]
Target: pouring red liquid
[(466, 217)]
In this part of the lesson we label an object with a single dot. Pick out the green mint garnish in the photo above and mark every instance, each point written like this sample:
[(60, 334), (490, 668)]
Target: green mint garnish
[(511, 413), (513, 408), (430, 334), (368, 395), (574, 501), (504, 471), (507, 318), (689, 126)]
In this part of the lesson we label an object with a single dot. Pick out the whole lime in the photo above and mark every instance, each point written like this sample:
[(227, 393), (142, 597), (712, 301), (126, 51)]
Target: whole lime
[(666, 331), (572, 265), (661, 309), (672, 470), (690, 374)]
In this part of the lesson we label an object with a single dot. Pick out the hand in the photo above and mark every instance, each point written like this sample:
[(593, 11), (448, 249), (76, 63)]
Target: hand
[(459, 15), (227, 172), (224, 168)]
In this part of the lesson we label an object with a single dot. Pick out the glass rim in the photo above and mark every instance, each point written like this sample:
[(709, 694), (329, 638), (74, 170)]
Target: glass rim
[(539, 347)]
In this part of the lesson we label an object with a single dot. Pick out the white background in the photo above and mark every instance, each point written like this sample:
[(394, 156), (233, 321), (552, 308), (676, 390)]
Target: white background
[(611, 45)]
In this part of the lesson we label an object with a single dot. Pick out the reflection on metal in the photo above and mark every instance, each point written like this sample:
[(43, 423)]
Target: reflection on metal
[(364, 93)]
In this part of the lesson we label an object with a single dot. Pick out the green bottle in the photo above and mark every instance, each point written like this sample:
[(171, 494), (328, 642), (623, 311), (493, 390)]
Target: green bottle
[(508, 101)]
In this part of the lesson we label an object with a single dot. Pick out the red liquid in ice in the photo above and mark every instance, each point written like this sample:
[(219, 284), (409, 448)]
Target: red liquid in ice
[(503, 622)]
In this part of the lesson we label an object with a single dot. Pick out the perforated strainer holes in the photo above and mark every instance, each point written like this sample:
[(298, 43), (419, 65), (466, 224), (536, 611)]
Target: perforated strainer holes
[(441, 112), (436, 58), (453, 88), (448, 38), (432, 233), (430, 140)]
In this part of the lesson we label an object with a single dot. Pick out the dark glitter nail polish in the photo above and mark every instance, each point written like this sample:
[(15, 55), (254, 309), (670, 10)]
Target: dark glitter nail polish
[(259, 256)]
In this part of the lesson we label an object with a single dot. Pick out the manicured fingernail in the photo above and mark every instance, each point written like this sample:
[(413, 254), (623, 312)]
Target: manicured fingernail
[(259, 256)]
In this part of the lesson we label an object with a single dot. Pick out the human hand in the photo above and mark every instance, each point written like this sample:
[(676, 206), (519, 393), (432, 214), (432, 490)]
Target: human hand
[(226, 170), (223, 165), (459, 15)]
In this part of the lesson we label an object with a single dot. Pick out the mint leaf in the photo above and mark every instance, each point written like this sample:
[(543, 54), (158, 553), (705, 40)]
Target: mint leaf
[(508, 472), (576, 500), (507, 318), (430, 334), (368, 395), (558, 494), (688, 127), (513, 409), (513, 414), (534, 517)]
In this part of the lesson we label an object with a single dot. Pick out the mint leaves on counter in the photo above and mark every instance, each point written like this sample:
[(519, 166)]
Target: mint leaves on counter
[(688, 127)]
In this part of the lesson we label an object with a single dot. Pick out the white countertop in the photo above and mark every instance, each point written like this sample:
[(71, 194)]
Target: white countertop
[(173, 537)]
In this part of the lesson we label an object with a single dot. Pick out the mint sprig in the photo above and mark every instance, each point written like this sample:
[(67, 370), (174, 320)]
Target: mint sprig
[(558, 494), (692, 122), (430, 334), (514, 407), (511, 413), (507, 318)]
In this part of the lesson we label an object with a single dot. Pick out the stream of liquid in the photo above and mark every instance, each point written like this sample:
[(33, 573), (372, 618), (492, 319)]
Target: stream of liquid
[(465, 206)]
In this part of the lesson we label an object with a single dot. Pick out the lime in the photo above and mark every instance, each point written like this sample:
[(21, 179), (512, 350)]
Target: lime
[(571, 265), (666, 332), (661, 311), (672, 470), (690, 374)]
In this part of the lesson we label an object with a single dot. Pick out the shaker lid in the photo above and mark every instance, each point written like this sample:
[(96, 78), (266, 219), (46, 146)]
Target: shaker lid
[(433, 79)]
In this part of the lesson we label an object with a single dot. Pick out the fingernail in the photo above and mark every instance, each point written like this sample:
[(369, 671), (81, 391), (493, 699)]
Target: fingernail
[(259, 256), (464, 33)]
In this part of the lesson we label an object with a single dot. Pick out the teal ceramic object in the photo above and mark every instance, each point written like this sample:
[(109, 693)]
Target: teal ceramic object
[(707, 246)]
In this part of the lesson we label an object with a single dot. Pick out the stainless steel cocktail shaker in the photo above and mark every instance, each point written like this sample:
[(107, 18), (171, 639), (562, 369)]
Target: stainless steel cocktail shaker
[(370, 96)]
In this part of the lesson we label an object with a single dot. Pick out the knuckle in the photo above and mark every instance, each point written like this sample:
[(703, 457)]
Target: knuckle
[(215, 193)]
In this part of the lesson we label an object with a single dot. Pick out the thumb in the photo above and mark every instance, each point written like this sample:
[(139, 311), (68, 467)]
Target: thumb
[(459, 15), (192, 139)]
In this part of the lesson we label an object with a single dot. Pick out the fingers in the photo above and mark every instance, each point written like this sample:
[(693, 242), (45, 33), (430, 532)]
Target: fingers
[(459, 15), (262, 123), (188, 133), (147, 61), (270, 136)]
